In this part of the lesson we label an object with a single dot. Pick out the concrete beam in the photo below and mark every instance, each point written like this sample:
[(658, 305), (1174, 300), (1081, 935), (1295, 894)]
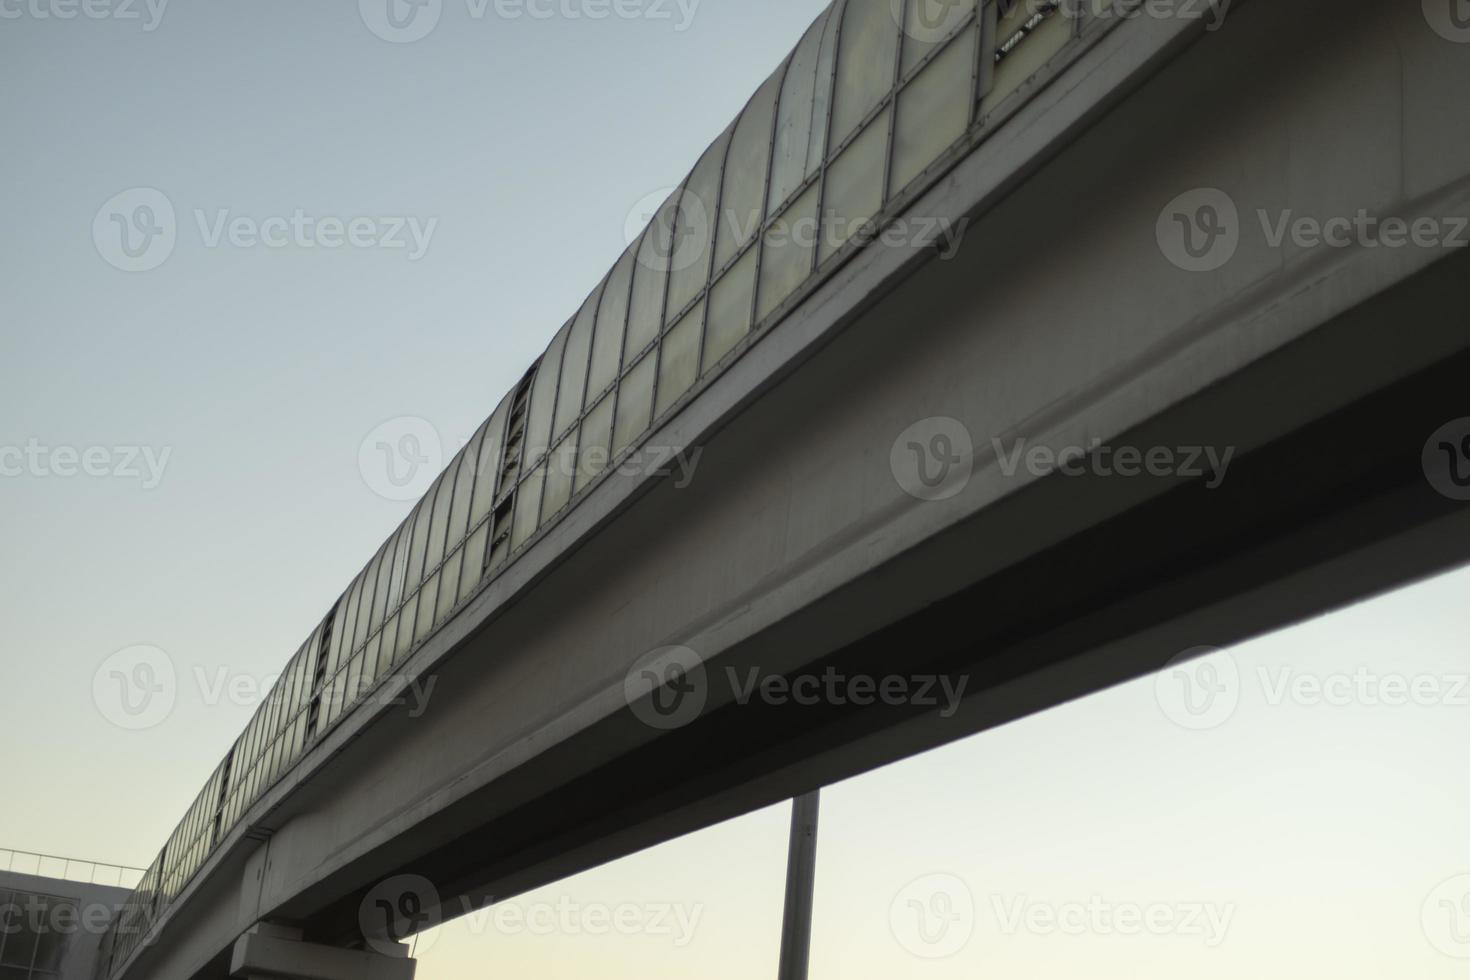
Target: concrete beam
[(269, 952)]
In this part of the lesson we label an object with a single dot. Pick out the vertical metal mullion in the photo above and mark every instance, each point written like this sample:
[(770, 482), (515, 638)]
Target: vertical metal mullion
[(551, 439), (892, 99), (827, 135), (658, 333), (509, 402), (714, 236), (801, 868), (582, 410), (759, 245)]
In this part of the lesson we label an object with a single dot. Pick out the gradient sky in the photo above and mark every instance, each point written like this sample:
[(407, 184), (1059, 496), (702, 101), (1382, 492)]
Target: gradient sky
[(253, 375)]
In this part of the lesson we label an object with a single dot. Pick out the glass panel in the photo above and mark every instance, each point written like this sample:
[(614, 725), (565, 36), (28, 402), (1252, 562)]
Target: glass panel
[(561, 466), (425, 511), (822, 101), (635, 400), (349, 623), (745, 174), (354, 679), (574, 366), (690, 257), (854, 187), (650, 274), (400, 563), (489, 465), (595, 447), (425, 621), (474, 561), (786, 256), (543, 398), (795, 122), (365, 606), (678, 364), (439, 527), (528, 507), (933, 111), (865, 63), (729, 310), (449, 585), (380, 589), (928, 22), (370, 665), (464, 488), (612, 315)]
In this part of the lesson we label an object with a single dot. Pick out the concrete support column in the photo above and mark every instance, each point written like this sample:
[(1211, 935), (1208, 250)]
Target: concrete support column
[(269, 952)]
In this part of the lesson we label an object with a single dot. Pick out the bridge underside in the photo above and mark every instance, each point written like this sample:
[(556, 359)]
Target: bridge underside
[(1059, 321)]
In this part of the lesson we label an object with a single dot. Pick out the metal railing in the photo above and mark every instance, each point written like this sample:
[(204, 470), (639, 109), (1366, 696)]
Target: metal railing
[(69, 869)]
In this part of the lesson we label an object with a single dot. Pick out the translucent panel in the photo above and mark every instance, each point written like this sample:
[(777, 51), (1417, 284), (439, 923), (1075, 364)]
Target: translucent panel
[(371, 668), (795, 123), (543, 398), (528, 507), (349, 622), (439, 526), (420, 543), (866, 63), (574, 366), (354, 679), (786, 255), (741, 206), (399, 632), (650, 275), (474, 561), (689, 260), (1026, 56), (822, 100), (425, 620), (449, 585), (365, 607), (400, 563), (561, 467), (729, 310), (928, 22), (854, 186), (595, 446), (678, 363), (612, 316), (933, 111), (464, 487), (380, 592), (487, 471), (635, 403)]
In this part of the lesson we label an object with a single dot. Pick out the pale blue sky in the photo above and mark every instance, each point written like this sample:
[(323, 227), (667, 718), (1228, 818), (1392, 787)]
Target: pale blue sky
[(259, 371)]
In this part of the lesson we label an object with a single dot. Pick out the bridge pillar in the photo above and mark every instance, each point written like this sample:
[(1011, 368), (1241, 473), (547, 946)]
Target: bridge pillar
[(269, 952)]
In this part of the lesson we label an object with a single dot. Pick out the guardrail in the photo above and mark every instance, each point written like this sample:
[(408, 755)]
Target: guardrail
[(69, 869)]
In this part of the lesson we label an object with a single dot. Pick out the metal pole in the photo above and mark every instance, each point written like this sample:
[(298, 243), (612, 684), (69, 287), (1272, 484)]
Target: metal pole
[(801, 867)]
